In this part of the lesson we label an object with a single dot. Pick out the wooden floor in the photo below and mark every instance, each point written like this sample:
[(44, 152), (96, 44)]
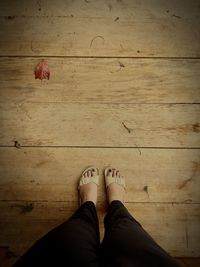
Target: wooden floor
[(124, 90)]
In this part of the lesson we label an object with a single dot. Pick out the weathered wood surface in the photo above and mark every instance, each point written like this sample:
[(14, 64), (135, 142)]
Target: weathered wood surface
[(174, 227), (47, 174), (101, 80), (122, 8), (109, 100), (147, 28), (80, 124)]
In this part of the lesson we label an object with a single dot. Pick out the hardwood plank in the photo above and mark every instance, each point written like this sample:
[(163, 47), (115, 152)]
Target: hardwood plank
[(125, 8), (147, 29), (174, 222), (123, 125), (101, 80), (7, 258), (51, 174)]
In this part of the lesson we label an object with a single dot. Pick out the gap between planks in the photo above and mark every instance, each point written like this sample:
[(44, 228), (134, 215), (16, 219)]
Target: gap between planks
[(122, 147), (100, 202), (101, 57)]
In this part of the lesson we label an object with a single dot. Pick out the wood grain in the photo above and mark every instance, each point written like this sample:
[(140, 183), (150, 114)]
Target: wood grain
[(124, 91), (174, 220), (101, 80), (162, 30), (47, 174), (122, 125), (94, 8)]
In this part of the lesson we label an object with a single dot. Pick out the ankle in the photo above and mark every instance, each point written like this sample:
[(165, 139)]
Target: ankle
[(88, 193), (115, 192)]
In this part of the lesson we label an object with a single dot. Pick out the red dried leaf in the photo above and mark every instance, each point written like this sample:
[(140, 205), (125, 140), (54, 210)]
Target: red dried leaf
[(42, 71)]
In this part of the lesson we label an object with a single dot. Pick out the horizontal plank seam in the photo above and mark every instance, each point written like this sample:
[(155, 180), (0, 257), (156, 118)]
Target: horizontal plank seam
[(101, 202), (123, 147), (187, 258), (71, 16), (104, 57), (102, 103)]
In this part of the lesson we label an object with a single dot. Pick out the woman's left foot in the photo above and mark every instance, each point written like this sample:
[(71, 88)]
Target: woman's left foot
[(88, 192), (115, 191)]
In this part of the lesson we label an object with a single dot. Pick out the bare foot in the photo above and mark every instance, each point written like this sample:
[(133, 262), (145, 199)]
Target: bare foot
[(114, 190), (88, 192)]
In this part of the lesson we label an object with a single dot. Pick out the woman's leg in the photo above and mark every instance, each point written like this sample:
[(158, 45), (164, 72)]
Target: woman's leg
[(74, 243), (126, 243)]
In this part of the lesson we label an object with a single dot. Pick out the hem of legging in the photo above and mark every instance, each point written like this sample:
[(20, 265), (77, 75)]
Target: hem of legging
[(114, 202), (86, 202)]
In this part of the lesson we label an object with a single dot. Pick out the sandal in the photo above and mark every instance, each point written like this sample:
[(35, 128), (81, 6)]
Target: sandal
[(110, 180), (86, 180)]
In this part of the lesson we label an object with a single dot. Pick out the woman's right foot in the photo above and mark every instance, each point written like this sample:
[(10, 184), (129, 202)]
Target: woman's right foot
[(114, 191), (88, 192)]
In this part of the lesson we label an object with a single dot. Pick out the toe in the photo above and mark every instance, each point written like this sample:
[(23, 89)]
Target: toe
[(117, 173), (108, 172), (88, 173), (94, 171), (91, 172), (113, 172)]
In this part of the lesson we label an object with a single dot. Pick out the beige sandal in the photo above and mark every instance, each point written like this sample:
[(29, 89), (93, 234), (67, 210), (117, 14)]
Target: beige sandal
[(110, 180), (86, 180)]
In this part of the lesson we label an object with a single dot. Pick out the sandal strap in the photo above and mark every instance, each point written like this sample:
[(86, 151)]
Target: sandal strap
[(87, 180), (117, 180)]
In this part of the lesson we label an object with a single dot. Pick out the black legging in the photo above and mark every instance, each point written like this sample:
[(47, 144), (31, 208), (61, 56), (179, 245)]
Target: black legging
[(77, 242)]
